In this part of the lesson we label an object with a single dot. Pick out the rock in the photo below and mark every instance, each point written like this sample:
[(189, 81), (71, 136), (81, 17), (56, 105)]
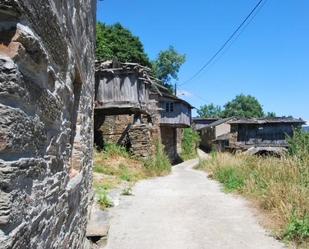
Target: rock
[(98, 224)]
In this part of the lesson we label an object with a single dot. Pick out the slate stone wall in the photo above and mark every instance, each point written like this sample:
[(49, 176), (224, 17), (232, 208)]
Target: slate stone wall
[(46, 122), (111, 129)]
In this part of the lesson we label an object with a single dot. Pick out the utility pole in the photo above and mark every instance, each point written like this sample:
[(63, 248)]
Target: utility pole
[(175, 89)]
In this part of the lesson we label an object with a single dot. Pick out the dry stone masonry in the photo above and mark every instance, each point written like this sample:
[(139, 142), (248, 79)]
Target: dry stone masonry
[(46, 122)]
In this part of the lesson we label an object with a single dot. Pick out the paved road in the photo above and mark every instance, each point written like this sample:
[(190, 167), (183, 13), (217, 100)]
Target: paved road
[(185, 210)]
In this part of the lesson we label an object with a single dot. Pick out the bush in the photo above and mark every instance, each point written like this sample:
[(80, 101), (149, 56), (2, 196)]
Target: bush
[(190, 144), (158, 164), (299, 150)]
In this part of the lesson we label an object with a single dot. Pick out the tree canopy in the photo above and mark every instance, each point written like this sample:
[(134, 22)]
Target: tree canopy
[(167, 65), (210, 111), (245, 106), (114, 42)]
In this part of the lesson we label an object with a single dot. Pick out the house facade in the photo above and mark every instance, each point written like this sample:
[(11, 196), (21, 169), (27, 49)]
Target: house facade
[(174, 114), (129, 101), (271, 133), (214, 134)]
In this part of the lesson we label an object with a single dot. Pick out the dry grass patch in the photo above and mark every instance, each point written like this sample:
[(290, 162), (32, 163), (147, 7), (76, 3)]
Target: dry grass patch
[(115, 166), (278, 186)]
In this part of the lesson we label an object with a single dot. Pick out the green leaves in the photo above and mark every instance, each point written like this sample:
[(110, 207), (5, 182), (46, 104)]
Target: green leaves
[(210, 111), (245, 106), (242, 106), (114, 42), (190, 144), (167, 64)]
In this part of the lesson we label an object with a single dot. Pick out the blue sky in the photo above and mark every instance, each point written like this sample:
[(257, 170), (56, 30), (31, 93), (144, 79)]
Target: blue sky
[(269, 60)]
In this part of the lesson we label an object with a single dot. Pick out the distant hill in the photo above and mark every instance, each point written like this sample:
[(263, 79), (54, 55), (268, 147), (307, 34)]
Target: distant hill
[(306, 128)]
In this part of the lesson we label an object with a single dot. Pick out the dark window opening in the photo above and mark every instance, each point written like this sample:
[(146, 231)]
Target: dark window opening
[(76, 122), (169, 107)]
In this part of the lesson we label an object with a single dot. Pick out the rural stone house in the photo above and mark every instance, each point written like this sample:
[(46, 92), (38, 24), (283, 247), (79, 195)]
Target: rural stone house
[(132, 109), (46, 122), (262, 134), (174, 115), (215, 134), (123, 109)]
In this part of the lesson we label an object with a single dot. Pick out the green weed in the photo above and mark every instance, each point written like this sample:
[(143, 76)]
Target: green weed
[(297, 228), (158, 164), (230, 178), (190, 144), (103, 199)]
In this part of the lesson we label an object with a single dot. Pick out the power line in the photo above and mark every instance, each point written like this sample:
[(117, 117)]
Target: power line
[(227, 41)]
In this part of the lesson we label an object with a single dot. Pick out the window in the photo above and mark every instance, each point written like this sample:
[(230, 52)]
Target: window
[(169, 107)]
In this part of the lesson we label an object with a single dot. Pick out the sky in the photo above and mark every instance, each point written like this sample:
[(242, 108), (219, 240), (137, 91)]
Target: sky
[(269, 59)]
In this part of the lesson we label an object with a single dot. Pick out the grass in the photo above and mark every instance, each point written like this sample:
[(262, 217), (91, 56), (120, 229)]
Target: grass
[(159, 164), (189, 144), (103, 199), (115, 166), (279, 186)]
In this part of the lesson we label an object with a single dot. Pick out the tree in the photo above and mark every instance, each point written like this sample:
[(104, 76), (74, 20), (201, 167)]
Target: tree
[(167, 65), (114, 42), (210, 111), (270, 115), (244, 106)]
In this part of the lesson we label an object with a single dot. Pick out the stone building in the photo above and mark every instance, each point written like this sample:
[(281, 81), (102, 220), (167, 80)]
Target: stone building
[(46, 122), (132, 109), (174, 114), (123, 110), (265, 135), (214, 135)]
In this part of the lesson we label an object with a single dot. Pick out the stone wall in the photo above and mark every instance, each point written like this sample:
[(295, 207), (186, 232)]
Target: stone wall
[(46, 113), (141, 142), (111, 128)]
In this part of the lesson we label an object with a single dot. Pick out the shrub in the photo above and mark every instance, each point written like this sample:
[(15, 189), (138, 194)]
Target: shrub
[(190, 144), (158, 164)]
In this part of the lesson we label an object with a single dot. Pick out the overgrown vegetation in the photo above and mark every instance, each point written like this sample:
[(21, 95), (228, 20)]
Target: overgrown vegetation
[(190, 143), (114, 166), (159, 164), (279, 186)]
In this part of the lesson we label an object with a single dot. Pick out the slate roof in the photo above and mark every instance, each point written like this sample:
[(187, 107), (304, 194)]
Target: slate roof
[(268, 121)]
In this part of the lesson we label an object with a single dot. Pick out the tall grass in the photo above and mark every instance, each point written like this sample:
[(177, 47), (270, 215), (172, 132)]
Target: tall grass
[(159, 163), (114, 150), (190, 144), (278, 186)]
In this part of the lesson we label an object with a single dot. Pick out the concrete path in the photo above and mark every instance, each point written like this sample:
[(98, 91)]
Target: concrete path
[(185, 210)]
